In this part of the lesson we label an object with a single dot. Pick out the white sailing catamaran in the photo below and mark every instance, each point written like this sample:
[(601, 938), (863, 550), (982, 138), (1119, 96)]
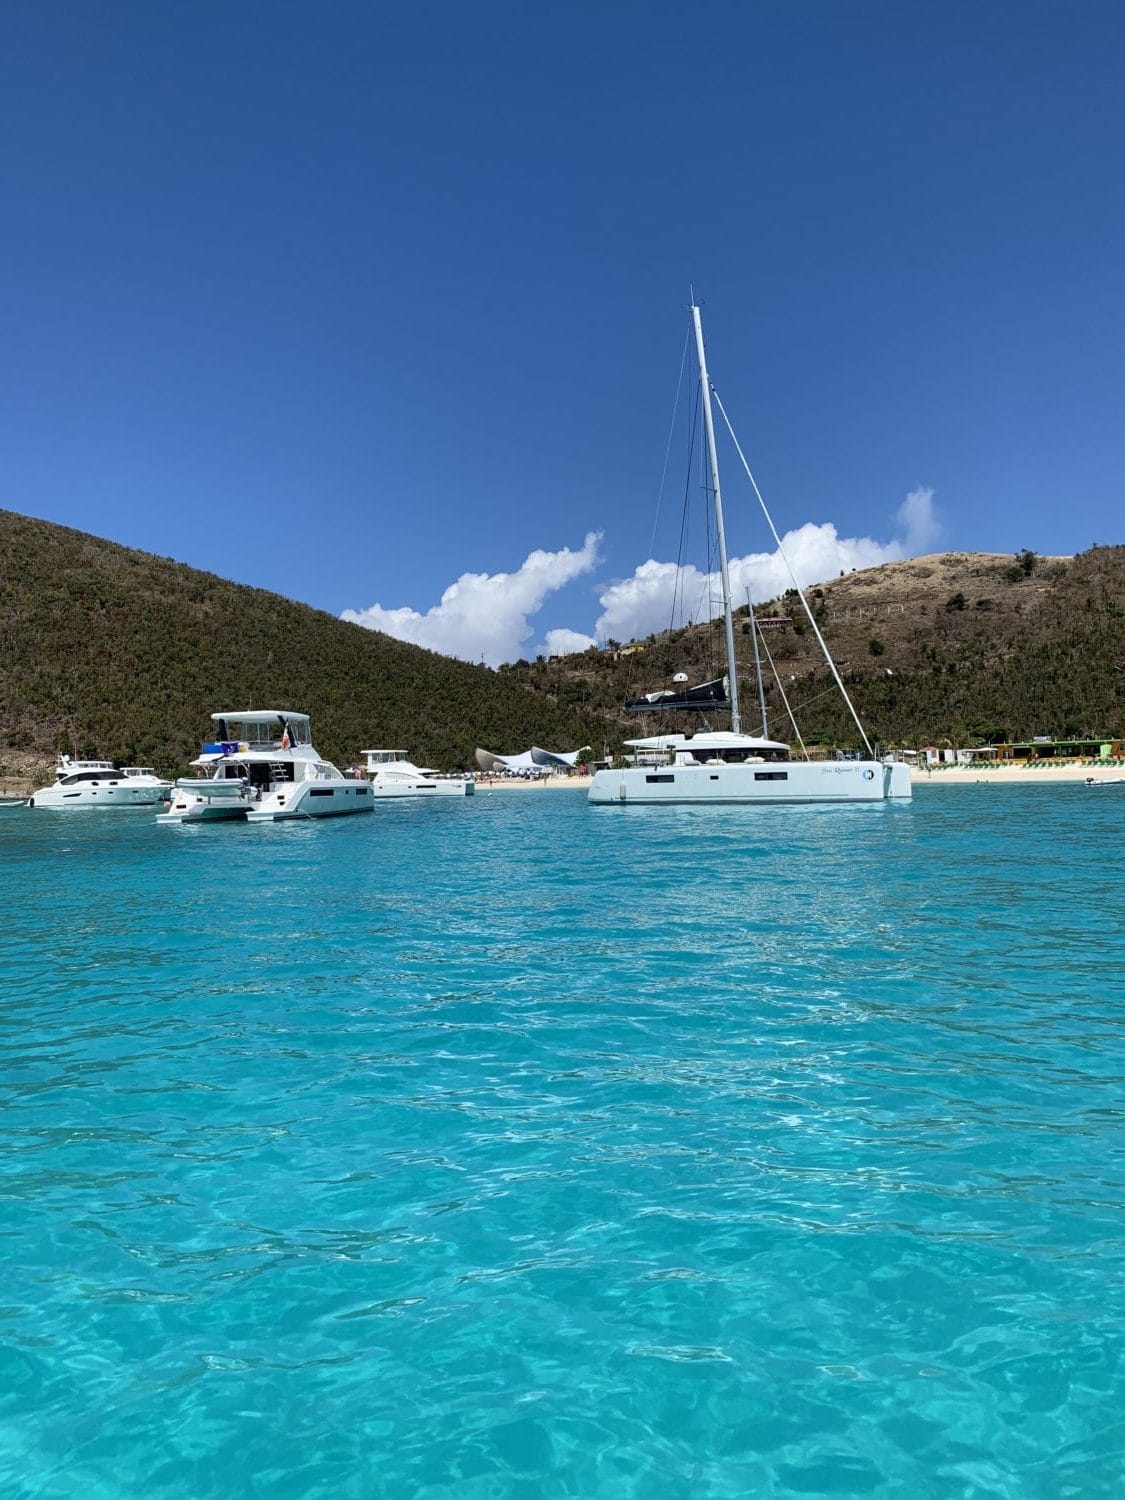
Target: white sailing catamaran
[(732, 767)]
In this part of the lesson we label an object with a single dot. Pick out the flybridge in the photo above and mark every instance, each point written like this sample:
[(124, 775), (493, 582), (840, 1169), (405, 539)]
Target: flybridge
[(261, 728)]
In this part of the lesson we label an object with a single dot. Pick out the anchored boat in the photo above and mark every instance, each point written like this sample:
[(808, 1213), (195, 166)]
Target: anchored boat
[(390, 774), (98, 783), (263, 767), (733, 767)]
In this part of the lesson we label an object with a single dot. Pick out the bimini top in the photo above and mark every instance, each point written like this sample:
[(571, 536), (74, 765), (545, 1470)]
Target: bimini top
[(260, 728), (705, 696), (273, 715), (242, 731)]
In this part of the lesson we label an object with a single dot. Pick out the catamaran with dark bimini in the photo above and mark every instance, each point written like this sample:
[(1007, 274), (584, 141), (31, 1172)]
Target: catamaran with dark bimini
[(729, 766)]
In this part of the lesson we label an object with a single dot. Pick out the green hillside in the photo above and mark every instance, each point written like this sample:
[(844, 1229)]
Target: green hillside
[(112, 651)]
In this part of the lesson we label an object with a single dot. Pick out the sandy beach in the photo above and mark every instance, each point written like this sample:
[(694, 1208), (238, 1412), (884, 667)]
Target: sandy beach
[(1017, 775)]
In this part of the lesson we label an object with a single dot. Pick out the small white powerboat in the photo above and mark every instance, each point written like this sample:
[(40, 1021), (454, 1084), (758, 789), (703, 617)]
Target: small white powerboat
[(98, 783), (390, 774)]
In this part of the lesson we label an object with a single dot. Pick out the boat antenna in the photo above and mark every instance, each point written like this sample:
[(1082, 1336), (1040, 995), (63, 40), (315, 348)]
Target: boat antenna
[(724, 574), (793, 577), (757, 664)]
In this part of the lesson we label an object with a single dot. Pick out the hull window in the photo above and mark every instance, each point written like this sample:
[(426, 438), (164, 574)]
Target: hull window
[(660, 778), (771, 775)]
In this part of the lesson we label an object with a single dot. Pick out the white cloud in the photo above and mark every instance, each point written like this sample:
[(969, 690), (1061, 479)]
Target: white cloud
[(488, 614), (659, 594), (485, 614), (565, 642), (920, 526)]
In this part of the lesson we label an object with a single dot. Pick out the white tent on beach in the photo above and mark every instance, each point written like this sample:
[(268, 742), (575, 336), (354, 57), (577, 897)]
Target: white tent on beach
[(531, 760)]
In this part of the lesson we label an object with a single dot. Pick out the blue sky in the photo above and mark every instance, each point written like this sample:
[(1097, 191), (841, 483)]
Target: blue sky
[(347, 301)]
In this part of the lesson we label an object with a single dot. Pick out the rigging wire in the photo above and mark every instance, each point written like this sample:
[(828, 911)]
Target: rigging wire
[(816, 697), (793, 576), (781, 690), (668, 445), (705, 604), (753, 625), (709, 555), (678, 583)]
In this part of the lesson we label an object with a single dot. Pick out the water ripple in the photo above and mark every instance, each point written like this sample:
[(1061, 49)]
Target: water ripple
[(521, 1149)]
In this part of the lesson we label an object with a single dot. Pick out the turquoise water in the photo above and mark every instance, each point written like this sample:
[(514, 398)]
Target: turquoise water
[(520, 1149)]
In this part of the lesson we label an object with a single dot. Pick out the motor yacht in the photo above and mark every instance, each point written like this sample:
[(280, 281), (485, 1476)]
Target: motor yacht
[(263, 767), (98, 783), (390, 774)]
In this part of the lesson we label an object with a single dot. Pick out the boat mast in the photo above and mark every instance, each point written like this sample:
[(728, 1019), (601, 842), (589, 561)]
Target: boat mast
[(728, 618)]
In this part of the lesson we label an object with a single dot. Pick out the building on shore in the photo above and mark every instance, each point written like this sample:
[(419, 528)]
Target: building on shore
[(533, 762), (1044, 748), (1041, 748)]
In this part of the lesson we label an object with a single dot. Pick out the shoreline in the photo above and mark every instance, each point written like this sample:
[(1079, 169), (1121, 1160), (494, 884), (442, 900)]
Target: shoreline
[(1017, 775), (1023, 775), (556, 783)]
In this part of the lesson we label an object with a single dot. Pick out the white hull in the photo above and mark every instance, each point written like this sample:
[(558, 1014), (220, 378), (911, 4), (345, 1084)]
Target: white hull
[(212, 801), (108, 794), (788, 781), (197, 799), (423, 787), (312, 799), (390, 773)]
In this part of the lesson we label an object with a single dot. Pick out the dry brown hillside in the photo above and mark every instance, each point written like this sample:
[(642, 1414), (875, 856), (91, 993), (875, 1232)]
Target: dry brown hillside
[(956, 646)]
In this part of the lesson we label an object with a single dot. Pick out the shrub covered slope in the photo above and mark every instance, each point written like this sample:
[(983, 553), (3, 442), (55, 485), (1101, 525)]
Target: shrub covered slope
[(107, 650)]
